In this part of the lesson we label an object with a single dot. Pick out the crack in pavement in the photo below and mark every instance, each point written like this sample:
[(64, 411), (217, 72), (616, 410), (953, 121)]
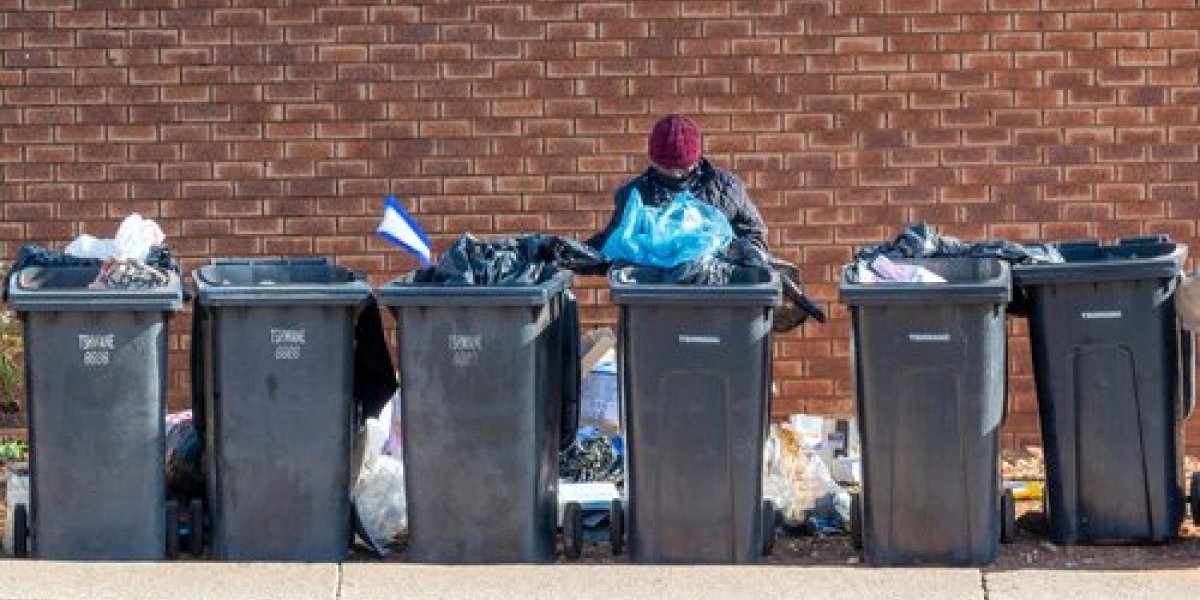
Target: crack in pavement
[(338, 594)]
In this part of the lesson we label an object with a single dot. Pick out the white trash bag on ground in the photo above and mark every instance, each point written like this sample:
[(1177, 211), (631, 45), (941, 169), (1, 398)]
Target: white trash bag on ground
[(378, 492), (800, 484)]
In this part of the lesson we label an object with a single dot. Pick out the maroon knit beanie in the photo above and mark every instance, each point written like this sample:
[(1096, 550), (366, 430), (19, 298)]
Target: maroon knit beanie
[(674, 142)]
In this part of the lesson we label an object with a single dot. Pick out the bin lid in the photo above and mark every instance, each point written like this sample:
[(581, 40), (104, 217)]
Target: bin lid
[(403, 291), (748, 286), (968, 281), (65, 288), (1149, 257), (279, 282)]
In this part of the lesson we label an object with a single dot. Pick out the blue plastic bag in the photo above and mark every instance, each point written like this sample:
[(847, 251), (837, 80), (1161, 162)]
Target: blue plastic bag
[(682, 230)]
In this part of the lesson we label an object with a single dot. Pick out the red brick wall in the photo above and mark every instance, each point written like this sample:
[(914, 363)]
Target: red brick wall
[(248, 130)]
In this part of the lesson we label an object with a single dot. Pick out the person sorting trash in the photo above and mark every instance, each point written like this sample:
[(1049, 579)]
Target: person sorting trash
[(695, 222), (677, 165)]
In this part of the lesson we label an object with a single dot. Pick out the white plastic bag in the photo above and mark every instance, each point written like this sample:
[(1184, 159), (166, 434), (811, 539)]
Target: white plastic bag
[(379, 498), (798, 481), (134, 238), (378, 493), (90, 246)]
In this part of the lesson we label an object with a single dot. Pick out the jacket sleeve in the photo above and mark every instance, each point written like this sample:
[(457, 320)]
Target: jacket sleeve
[(746, 221), (597, 241)]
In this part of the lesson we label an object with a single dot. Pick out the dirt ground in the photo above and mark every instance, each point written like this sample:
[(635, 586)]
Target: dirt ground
[(1030, 550)]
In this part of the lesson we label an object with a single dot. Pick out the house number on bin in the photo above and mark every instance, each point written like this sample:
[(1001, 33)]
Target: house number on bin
[(97, 349), (465, 349), (288, 343)]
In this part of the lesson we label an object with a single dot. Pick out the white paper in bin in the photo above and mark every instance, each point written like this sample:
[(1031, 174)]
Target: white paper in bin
[(600, 397)]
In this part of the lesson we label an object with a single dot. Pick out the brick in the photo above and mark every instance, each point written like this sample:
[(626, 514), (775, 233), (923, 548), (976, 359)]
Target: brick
[(1143, 57), (1173, 76)]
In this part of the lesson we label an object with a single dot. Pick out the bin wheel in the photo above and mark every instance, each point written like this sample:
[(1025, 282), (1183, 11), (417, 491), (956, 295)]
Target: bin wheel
[(1194, 499), (572, 530), (616, 527), (21, 531), (196, 541), (856, 521), (770, 519), (172, 529), (1008, 517)]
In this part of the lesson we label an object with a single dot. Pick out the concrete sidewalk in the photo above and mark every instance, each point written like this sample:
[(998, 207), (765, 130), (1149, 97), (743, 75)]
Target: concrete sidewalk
[(33, 580)]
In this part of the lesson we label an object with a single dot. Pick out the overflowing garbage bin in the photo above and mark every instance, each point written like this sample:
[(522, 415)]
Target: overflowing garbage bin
[(695, 379), (489, 380), (276, 344), (1115, 378), (96, 367), (929, 366)]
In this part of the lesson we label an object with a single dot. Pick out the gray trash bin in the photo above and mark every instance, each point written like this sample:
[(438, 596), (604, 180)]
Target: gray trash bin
[(278, 351), (1115, 379), (96, 383), (930, 365), (481, 377), (694, 364)]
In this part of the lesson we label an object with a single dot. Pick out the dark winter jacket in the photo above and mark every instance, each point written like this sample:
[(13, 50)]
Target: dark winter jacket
[(710, 184)]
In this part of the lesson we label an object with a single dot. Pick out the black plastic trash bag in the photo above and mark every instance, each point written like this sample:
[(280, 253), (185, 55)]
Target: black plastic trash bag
[(523, 260), (919, 240), (730, 266), (184, 458)]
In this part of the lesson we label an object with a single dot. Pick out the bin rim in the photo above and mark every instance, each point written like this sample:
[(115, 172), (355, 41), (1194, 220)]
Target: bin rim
[(402, 291), (767, 294), (209, 292), (994, 290), (1164, 265), (165, 298)]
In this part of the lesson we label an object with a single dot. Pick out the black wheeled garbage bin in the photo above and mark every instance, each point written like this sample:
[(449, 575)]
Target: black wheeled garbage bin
[(277, 344), (694, 363), (96, 368), (1114, 375), (929, 370), (485, 374)]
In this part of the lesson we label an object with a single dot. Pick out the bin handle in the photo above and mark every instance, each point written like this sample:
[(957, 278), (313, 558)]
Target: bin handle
[(1187, 373)]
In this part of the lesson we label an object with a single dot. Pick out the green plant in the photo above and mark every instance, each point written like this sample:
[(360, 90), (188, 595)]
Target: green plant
[(13, 450)]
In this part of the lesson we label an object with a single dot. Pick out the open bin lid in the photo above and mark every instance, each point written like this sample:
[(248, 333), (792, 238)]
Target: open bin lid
[(65, 288), (968, 281), (1151, 257), (748, 286), (403, 291), (279, 282)]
